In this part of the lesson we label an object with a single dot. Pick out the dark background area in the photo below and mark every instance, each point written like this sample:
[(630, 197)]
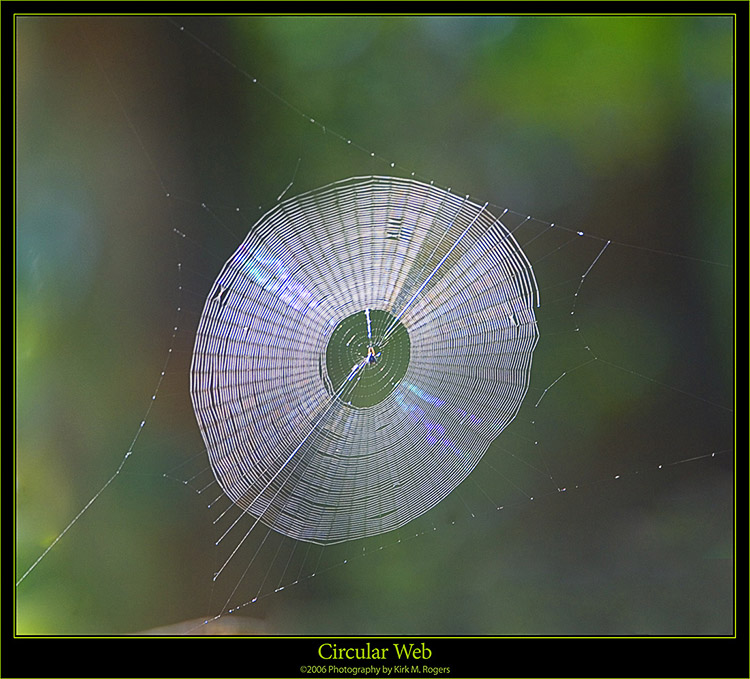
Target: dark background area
[(621, 127)]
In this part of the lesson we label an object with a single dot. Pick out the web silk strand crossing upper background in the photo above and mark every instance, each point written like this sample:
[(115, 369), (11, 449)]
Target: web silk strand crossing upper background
[(358, 354)]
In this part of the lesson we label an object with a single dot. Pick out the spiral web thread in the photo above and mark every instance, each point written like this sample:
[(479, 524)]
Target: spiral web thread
[(286, 443)]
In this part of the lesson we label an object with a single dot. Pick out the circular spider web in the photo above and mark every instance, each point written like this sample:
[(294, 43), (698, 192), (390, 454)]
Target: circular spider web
[(358, 354)]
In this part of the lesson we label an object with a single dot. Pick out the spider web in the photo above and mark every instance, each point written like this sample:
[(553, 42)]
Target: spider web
[(609, 468), (327, 458)]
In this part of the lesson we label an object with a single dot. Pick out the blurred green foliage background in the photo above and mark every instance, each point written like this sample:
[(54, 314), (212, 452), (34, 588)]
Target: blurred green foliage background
[(620, 126)]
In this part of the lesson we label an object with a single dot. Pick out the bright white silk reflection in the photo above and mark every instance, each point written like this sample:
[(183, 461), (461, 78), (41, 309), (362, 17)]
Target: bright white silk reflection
[(358, 354)]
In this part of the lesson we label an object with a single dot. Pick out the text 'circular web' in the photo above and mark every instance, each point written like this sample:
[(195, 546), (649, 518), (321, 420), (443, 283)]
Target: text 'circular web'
[(358, 354)]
